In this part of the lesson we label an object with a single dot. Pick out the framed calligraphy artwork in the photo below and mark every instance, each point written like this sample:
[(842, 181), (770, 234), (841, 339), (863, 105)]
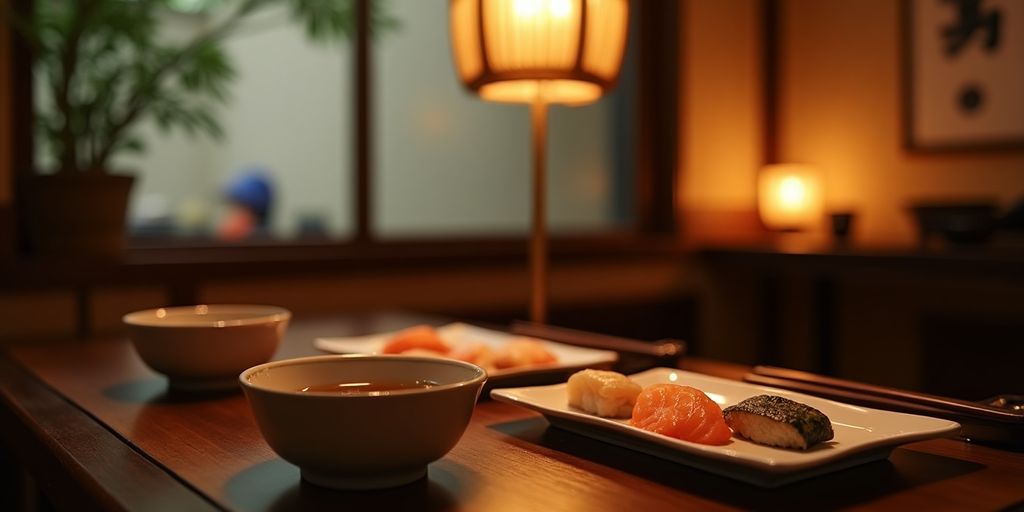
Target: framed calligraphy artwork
[(963, 74)]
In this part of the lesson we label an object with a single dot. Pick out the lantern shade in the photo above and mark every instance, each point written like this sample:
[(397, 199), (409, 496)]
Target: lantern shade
[(555, 51), (789, 197)]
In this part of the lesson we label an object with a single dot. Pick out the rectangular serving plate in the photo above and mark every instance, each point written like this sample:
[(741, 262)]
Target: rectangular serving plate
[(861, 434), (570, 358)]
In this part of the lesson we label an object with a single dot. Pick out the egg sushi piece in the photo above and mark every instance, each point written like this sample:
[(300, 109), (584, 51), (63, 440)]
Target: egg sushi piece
[(776, 421), (681, 412), (604, 393)]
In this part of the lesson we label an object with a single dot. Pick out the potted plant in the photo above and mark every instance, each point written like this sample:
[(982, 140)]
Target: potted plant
[(101, 69)]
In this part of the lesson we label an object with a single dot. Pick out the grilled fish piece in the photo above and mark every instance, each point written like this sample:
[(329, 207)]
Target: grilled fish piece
[(777, 421)]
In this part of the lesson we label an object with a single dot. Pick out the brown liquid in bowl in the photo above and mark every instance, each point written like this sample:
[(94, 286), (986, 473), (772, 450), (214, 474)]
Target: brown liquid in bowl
[(346, 388)]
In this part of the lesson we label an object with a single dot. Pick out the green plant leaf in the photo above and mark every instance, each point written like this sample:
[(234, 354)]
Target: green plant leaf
[(208, 124), (131, 144), (123, 70), (207, 72), (325, 20)]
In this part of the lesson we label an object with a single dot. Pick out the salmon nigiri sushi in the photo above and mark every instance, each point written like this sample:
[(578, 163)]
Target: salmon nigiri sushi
[(681, 412), (420, 337)]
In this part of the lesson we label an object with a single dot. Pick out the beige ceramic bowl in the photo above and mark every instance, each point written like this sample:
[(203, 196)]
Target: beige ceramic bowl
[(206, 346), (368, 440)]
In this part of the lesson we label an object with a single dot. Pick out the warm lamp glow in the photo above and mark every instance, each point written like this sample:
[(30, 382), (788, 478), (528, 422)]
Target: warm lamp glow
[(789, 196), (539, 52), (553, 51)]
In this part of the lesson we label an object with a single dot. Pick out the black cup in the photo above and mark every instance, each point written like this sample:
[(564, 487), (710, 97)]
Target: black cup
[(842, 223)]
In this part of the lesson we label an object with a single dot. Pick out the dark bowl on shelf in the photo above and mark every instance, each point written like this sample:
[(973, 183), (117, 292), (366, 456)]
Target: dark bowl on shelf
[(966, 223)]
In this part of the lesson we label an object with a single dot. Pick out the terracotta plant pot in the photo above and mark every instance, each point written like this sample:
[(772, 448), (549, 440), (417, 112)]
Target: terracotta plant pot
[(76, 215)]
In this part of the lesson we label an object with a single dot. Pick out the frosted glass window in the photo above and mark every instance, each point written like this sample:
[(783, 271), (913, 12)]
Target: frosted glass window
[(444, 161), (289, 115)]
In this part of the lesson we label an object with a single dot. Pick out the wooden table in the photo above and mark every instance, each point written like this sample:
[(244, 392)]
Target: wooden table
[(99, 430)]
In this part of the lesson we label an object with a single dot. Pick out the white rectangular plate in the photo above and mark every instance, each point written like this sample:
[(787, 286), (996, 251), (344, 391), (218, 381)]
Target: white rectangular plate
[(861, 434), (569, 357)]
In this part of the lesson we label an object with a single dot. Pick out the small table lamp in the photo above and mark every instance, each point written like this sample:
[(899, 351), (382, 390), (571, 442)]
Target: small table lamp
[(539, 52), (789, 197)]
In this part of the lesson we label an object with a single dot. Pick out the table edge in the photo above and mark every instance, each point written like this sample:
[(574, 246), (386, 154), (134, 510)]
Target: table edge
[(77, 460)]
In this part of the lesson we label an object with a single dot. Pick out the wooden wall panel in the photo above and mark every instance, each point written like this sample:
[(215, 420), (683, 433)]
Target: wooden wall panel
[(5, 116), (460, 291), (37, 315), (6, 158), (108, 305)]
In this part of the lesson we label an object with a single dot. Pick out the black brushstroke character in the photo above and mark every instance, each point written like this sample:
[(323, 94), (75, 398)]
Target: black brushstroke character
[(970, 18)]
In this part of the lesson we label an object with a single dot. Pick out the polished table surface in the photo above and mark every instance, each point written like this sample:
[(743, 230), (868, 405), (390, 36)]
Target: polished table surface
[(98, 429)]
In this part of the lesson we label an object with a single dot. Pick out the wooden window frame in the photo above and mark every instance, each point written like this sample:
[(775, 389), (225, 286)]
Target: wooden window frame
[(655, 123)]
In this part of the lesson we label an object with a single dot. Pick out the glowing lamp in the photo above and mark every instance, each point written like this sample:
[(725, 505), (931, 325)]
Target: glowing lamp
[(524, 51), (539, 52), (789, 197)]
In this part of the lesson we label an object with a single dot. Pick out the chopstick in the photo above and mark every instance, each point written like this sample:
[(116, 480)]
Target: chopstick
[(991, 425), (662, 349), (879, 396)]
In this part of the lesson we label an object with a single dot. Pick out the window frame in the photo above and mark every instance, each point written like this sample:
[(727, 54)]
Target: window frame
[(655, 122)]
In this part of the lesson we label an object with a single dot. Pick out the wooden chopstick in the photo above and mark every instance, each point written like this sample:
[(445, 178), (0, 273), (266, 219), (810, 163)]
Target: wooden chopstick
[(884, 397), (975, 427), (845, 395), (660, 349)]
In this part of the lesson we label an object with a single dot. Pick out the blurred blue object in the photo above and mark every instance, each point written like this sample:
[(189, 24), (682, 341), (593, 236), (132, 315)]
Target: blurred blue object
[(252, 189)]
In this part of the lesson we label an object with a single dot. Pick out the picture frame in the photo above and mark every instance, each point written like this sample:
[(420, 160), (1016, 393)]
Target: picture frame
[(963, 74)]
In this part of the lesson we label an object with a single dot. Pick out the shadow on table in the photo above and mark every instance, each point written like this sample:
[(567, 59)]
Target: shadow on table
[(275, 485), (154, 390), (904, 469)]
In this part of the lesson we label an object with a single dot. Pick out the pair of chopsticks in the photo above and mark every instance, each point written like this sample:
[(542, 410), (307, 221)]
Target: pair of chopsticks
[(979, 422), (661, 349)]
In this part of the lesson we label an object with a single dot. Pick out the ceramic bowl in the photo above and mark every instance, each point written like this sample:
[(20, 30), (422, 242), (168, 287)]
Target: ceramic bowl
[(960, 222), (205, 347), (362, 440)]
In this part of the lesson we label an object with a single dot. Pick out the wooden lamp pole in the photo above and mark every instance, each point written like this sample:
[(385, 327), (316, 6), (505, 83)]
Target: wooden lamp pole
[(538, 235), (539, 52)]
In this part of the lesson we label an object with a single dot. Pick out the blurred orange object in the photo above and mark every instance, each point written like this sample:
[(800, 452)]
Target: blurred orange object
[(238, 224), (476, 353), (523, 352), (422, 337)]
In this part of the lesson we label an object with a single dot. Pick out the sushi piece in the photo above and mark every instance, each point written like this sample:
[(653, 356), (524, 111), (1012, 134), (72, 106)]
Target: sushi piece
[(604, 393), (523, 352), (777, 421), (476, 353), (422, 337), (681, 412)]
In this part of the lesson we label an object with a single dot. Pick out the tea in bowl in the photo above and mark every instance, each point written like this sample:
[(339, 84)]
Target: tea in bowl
[(362, 422), (204, 347)]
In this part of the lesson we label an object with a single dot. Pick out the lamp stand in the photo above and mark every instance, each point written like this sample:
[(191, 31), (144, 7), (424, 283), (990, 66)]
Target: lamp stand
[(538, 235)]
